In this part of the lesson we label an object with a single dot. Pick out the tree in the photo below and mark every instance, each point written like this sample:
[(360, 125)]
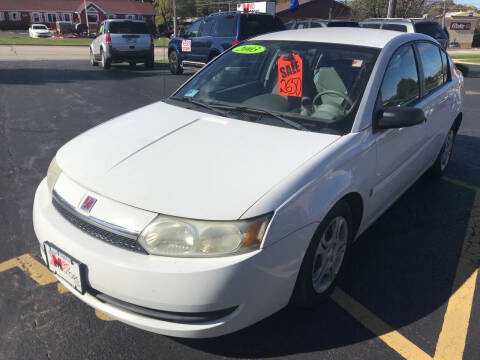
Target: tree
[(362, 9), (164, 10)]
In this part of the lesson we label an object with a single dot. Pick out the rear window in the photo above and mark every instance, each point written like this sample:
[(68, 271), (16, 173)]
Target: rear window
[(432, 29), (128, 27), (254, 24), (227, 25), (39, 27), (395, 27)]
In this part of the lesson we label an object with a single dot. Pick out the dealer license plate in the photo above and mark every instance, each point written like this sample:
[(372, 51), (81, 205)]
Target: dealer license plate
[(65, 266)]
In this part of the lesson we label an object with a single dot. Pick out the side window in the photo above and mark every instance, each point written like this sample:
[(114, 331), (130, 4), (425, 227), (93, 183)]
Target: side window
[(206, 27), (400, 85), (445, 66), (315, 24), (395, 27), (192, 30), (432, 65), (371, 26)]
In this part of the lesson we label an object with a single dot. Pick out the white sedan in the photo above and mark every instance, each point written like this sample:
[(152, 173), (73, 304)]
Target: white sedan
[(39, 30), (209, 211)]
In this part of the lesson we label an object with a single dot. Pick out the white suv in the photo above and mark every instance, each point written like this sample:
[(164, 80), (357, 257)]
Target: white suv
[(122, 41), (422, 26)]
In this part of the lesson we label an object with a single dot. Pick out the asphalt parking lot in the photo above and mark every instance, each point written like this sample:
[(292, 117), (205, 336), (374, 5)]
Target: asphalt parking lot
[(410, 290)]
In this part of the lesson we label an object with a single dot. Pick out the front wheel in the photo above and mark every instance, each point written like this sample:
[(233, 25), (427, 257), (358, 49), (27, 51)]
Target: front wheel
[(324, 257), (443, 159), (174, 62)]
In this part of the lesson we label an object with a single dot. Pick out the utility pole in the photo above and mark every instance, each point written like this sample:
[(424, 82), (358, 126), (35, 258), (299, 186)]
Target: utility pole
[(444, 10), (392, 4), (174, 19), (86, 16)]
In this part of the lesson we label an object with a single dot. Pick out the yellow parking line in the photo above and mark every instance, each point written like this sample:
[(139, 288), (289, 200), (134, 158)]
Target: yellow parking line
[(28, 264), (385, 332), (7, 265), (103, 316), (451, 342), (462, 184)]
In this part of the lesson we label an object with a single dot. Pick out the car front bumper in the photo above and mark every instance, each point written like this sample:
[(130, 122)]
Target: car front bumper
[(247, 287)]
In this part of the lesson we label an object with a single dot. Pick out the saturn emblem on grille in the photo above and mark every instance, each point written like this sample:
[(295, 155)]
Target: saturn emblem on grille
[(88, 203)]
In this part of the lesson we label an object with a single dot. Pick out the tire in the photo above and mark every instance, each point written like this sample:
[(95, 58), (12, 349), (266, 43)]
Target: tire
[(443, 159), (92, 59), (149, 64), (106, 62), (175, 67), (325, 257)]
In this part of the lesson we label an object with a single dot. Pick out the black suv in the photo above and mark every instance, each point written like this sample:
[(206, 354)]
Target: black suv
[(208, 37)]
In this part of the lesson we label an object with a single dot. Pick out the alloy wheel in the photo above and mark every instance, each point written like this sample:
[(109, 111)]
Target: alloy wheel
[(330, 254)]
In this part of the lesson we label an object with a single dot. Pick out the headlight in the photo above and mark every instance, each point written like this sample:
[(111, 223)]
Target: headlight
[(178, 237), (53, 174)]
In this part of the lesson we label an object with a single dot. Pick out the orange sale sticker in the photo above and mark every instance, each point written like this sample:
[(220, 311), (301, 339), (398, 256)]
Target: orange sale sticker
[(290, 75)]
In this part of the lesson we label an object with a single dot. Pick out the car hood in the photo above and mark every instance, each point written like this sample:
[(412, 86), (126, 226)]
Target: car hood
[(171, 160)]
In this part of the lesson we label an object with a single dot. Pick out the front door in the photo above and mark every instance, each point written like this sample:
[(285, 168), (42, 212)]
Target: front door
[(400, 152)]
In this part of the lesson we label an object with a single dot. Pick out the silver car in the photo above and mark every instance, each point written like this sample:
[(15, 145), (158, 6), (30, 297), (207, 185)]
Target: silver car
[(121, 40)]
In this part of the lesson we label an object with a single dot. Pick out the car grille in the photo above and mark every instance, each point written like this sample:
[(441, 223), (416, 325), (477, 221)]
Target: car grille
[(104, 235)]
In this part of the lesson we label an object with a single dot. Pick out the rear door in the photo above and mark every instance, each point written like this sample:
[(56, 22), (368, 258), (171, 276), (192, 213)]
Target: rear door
[(97, 42), (129, 35), (437, 98), (202, 44)]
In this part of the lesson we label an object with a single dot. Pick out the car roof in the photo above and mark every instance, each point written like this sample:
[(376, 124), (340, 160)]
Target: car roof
[(397, 20), (340, 35)]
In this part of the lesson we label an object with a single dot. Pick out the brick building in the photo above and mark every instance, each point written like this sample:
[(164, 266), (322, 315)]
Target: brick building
[(19, 14)]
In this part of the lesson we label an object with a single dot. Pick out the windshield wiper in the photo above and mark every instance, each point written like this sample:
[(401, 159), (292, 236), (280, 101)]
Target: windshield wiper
[(201, 104), (286, 121)]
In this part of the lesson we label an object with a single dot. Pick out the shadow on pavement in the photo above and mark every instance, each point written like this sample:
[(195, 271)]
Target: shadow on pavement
[(402, 269), (40, 76)]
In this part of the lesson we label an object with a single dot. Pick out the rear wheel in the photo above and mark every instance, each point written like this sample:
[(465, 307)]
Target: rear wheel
[(443, 159), (324, 257), (92, 59), (174, 62), (106, 62)]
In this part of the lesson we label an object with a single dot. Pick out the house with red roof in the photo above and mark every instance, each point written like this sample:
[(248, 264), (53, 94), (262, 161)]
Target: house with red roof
[(19, 14)]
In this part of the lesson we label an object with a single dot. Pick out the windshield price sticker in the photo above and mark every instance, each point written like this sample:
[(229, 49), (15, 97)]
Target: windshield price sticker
[(249, 49), (186, 45), (290, 75)]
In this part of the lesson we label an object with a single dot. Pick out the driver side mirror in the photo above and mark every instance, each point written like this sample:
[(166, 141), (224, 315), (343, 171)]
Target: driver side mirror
[(398, 117)]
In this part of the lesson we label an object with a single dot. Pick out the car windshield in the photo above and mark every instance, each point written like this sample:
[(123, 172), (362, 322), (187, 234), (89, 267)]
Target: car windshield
[(39, 27), (127, 27), (315, 85), (431, 29)]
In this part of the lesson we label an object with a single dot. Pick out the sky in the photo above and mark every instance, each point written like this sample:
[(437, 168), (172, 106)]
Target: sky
[(475, 3)]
